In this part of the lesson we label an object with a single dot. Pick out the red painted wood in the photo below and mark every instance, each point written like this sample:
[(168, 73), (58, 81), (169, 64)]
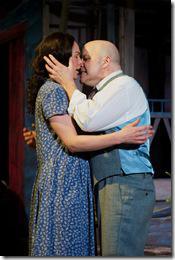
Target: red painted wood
[(14, 32), (14, 37)]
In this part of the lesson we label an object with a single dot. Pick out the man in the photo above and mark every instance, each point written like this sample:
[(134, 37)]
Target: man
[(122, 178)]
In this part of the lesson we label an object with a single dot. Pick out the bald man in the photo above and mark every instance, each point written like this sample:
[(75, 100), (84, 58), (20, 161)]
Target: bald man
[(123, 183)]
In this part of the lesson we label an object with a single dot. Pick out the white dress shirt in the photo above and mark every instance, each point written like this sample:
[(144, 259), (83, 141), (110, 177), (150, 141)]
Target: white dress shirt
[(119, 101)]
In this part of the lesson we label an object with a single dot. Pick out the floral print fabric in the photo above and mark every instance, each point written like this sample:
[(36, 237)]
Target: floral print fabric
[(61, 215)]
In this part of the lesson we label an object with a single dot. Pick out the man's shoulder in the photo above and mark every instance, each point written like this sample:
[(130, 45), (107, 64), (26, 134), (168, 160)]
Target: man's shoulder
[(130, 79), (131, 82), (126, 82)]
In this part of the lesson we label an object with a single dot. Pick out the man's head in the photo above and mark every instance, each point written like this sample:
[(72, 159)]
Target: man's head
[(100, 58)]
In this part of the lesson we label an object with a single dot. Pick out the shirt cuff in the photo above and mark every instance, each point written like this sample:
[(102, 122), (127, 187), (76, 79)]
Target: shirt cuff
[(77, 98)]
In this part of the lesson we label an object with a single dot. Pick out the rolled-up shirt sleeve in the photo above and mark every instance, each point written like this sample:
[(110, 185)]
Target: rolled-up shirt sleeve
[(112, 106)]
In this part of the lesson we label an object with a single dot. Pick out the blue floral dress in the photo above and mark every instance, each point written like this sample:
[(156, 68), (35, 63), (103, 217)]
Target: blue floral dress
[(61, 214)]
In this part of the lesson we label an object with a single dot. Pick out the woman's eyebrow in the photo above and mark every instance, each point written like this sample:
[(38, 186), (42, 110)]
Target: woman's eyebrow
[(77, 52)]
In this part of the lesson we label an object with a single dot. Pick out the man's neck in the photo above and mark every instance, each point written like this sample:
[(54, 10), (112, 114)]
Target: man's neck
[(107, 77), (107, 72), (112, 69)]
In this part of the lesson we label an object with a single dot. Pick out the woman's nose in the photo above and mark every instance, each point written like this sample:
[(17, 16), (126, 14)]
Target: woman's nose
[(80, 62)]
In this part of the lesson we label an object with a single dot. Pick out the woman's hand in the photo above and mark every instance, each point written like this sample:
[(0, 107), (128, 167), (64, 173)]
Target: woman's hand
[(134, 134)]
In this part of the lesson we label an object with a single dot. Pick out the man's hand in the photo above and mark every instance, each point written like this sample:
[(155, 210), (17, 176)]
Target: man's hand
[(29, 137), (61, 74), (58, 71)]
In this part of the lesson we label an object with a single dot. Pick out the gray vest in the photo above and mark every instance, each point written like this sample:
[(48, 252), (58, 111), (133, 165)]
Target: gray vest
[(127, 159), (106, 162)]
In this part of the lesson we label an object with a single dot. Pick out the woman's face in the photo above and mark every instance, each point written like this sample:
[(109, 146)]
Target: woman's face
[(75, 61)]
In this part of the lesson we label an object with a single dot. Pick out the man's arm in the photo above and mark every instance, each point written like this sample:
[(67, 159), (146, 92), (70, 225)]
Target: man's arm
[(109, 107)]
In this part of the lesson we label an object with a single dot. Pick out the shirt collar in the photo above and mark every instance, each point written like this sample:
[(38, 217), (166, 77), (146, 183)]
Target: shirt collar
[(100, 84)]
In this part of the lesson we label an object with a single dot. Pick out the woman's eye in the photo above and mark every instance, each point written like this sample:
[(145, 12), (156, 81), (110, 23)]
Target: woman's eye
[(77, 56), (86, 58)]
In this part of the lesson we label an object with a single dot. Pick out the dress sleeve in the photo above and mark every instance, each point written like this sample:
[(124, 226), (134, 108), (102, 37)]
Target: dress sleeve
[(55, 103)]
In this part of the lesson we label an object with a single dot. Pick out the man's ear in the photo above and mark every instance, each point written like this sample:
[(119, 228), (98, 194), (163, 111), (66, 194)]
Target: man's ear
[(106, 61)]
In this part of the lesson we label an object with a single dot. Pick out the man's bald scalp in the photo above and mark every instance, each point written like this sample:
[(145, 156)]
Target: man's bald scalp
[(104, 48)]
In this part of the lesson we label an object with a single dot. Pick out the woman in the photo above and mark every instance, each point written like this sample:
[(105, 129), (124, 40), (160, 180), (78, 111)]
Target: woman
[(61, 218)]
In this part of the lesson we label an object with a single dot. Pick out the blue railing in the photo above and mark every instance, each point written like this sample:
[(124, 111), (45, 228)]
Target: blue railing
[(160, 107), (160, 111)]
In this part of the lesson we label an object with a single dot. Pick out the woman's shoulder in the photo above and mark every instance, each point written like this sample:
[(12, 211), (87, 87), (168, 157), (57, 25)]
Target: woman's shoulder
[(50, 86)]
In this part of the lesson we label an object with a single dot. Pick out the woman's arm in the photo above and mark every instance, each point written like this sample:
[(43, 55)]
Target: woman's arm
[(64, 128)]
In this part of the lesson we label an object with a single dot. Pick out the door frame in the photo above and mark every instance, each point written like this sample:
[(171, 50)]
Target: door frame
[(14, 38)]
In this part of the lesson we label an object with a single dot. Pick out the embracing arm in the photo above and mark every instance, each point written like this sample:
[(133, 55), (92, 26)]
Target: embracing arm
[(64, 128), (110, 107)]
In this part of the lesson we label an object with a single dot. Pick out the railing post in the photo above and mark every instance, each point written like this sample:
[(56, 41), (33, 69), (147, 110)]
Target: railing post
[(160, 114)]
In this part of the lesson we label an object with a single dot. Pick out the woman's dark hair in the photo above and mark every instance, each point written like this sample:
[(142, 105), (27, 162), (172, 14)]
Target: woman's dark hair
[(60, 46)]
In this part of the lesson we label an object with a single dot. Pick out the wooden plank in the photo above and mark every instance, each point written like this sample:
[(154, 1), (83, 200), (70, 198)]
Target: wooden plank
[(16, 115), (127, 39), (111, 22), (64, 16), (46, 19)]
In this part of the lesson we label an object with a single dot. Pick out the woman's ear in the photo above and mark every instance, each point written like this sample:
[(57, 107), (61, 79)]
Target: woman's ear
[(70, 63), (71, 66)]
